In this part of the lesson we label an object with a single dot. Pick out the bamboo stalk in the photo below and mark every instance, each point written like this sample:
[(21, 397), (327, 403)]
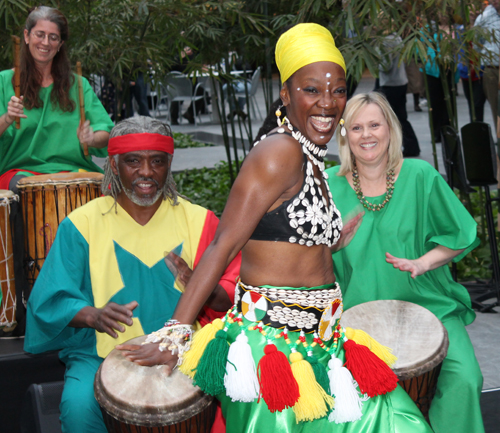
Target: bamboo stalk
[(82, 103), (16, 47)]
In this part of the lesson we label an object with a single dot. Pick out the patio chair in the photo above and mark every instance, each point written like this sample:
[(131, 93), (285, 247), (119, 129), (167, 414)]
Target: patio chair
[(179, 88), (252, 91)]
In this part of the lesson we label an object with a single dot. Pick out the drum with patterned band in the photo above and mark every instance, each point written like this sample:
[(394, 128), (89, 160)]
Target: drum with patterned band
[(144, 399), (8, 306), (417, 337), (46, 200)]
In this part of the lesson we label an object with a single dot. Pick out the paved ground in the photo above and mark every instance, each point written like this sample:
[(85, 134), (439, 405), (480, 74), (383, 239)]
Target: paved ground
[(485, 330)]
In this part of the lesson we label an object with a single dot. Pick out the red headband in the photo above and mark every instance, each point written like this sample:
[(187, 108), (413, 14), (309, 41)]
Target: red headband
[(143, 141)]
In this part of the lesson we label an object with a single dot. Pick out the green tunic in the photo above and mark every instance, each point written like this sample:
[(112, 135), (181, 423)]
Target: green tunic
[(47, 141), (423, 213)]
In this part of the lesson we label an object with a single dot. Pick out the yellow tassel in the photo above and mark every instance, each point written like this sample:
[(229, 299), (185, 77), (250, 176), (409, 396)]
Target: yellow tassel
[(313, 402), (200, 341), (361, 337)]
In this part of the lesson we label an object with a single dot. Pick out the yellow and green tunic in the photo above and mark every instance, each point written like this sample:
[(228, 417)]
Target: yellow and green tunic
[(101, 256)]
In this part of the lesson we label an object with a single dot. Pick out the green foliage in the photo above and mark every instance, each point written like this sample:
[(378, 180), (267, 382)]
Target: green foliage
[(206, 187), (477, 264), (184, 141)]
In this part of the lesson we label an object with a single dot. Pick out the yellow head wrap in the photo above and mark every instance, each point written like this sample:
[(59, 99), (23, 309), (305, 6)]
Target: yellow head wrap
[(304, 44)]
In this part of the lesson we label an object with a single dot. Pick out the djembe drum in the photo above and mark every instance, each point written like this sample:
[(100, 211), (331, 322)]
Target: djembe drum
[(417, 337), (46, 200), (8, 306), (141, 399)]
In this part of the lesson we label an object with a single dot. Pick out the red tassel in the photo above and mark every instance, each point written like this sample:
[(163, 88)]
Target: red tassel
[(278, 387), (373, 375)]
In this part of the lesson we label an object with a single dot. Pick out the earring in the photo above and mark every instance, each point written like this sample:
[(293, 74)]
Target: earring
[(343, 131), (278, 115)]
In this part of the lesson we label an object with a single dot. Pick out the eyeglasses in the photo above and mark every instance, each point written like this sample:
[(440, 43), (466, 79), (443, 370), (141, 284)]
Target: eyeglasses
[(51, 36)]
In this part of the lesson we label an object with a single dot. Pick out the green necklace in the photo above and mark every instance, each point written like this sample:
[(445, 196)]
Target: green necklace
[(357, 188)]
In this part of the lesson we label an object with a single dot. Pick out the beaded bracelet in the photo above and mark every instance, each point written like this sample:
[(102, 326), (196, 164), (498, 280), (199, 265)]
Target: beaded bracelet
[(174, 336)]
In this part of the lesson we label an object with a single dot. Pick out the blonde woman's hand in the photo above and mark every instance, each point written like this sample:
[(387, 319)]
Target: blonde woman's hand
[(415, 267)]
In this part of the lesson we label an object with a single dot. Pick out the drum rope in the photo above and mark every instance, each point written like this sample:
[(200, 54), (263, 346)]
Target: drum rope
[(9, 298)]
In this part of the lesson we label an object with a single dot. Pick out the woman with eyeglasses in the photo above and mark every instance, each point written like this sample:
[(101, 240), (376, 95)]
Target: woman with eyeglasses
[(49, 138)]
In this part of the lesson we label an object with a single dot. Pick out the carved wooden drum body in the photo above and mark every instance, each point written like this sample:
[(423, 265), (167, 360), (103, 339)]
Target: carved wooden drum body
[(8, 306), (46, 200), (144, 399), (417, 337)]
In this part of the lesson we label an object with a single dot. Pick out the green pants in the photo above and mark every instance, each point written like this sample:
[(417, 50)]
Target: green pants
[(456, 407)]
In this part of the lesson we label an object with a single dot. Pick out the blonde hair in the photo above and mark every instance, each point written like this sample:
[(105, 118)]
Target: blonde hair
[(354, 105)]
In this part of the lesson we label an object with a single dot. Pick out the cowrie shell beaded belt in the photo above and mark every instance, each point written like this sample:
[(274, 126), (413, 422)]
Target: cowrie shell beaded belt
[(297, 310)]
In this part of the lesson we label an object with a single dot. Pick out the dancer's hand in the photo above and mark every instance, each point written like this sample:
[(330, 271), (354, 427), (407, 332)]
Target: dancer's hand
[(149, 355), (348, 231)]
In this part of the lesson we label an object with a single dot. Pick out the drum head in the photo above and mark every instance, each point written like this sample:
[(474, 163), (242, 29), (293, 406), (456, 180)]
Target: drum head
[(60, 178), (417, 337), (146, 396), (6, 193)]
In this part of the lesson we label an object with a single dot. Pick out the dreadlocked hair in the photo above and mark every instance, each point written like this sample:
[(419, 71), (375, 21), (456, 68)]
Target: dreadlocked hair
[(137, 125)]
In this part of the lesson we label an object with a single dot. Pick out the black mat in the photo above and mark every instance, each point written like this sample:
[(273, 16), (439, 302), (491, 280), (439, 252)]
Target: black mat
[(490, 408), (18, 370)]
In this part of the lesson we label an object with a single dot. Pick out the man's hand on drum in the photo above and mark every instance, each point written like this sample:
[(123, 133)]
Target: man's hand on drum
[(110, 319), (148, 355), (179, 268), (15, 108)]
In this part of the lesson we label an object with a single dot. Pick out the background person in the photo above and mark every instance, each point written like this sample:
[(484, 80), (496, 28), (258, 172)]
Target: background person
[(106, 278), (286, 255), (50, 137), (412, 227), (393, 84), (490, 20)]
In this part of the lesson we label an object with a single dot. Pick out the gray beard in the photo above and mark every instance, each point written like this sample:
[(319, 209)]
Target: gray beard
[(145, 201)]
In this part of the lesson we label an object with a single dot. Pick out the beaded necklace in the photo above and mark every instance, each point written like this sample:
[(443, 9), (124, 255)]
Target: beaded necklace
[(388, 195), (312, 150)]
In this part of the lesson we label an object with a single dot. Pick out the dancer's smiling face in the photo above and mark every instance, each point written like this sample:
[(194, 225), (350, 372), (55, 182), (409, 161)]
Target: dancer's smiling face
[(315, 97)]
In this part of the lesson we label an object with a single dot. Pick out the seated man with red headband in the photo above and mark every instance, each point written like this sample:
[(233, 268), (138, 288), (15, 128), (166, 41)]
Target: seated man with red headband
[(118, 266)]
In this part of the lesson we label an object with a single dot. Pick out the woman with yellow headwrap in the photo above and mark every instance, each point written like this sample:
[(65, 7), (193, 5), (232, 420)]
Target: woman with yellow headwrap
[(289, 366)]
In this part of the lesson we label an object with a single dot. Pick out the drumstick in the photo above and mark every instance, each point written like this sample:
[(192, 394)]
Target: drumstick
[(82, 103), (16, 41)]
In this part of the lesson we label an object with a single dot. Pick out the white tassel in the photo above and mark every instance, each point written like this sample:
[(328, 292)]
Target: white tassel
[(343, 387), (241, 380)]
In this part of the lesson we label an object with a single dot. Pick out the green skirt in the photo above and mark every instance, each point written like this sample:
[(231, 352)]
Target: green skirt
[(390, 412)]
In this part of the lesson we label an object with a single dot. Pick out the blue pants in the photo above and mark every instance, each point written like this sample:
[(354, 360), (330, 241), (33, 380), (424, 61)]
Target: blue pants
[(80, 412)]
